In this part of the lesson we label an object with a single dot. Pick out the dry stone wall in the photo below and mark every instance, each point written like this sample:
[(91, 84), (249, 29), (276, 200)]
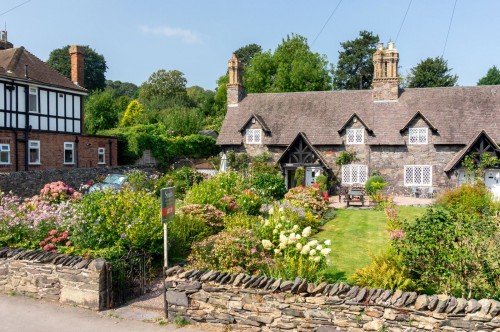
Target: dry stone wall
[(254, 303), (54, 276)]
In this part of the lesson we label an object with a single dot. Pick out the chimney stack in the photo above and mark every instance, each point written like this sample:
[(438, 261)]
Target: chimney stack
[(77, 54), (235, 90), (385, 82), (4, 44)]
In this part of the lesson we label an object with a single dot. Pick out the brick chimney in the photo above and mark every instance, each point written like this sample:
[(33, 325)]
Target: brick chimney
[(4, 44), (385, 82), (77, 54), (235, 90)]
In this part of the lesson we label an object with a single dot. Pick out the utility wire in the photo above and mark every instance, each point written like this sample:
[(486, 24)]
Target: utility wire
[(328, 20), (14, 7), (449, 28), (403, 22)]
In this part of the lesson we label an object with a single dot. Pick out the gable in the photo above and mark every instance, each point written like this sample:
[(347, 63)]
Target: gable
[(301, 152)]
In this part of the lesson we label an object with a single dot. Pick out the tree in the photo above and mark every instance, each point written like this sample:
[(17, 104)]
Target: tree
[(164, 84), (100, 112), (119, 89), (246, 53), (94, 64), (355, 63), (492, 77), (132, 113), (430, 73), (292, 67)]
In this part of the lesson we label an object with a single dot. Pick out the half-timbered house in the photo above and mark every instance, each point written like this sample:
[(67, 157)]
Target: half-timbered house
[(412, 137), (41, 115)]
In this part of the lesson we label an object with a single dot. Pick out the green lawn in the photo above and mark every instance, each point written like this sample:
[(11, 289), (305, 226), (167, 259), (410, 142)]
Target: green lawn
[(355, 235)]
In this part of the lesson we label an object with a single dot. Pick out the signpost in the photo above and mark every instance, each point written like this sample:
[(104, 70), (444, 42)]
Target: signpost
[(167, 212)]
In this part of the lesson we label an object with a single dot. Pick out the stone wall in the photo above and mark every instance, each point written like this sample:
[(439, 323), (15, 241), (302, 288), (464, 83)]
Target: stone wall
[(27, 184), (54, 276), (254, 303)]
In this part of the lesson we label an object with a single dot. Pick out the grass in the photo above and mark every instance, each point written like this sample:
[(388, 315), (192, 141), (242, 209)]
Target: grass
[(356, 234)]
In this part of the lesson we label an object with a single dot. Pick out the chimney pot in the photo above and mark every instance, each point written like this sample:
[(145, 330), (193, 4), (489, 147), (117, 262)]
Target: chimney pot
[(381, 46), (390, 45)]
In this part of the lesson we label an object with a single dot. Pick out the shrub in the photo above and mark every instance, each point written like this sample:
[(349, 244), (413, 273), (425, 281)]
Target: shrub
[(346, 157), (234, 251), (307, 197), (249, 202), (207, 213), (57, 192), (473, 197), (242, 220), (55, 239), (374, 184), (385, 271), (322, 181), (269, 186), (300, 175)]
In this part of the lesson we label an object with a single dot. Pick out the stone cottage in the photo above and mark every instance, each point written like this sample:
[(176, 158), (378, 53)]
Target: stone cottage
[(412, 137), (41, 115)]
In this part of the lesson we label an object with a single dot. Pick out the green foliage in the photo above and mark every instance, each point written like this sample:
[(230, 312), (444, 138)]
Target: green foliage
[(134, 140), (164, 84), (94, 71), (246, 53), (249, 203), (453, 251), (300, 175), (322, 181), (492, 77), (101, 112), (292, 67), (234, 251), (183, 179), (182, 121), (475, 166), (476, 197), (346, 157), (307, 197), (132, 113), (430, 73), (269, 186), (385, 271), (374, 184), (122, 89), (355, 61)]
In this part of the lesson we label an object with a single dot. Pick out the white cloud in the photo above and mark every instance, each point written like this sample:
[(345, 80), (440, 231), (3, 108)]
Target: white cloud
[(187, 36)]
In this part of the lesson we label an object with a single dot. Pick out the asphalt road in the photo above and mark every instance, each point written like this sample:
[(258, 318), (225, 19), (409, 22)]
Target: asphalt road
[(22, 314)]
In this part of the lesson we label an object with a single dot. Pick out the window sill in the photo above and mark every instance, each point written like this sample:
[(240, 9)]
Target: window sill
[(101, 163), (69, 163), (34, 164)]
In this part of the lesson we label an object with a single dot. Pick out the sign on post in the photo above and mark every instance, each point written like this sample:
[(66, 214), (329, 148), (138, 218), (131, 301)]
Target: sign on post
[(167, 204)]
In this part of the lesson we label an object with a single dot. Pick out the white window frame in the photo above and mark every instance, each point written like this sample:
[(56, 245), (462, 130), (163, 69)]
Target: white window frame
[(33, 91), (354, 174), (413, 178), (69, 146), (418, 135), (5, 148), (355, 136), (250, 136), (34, 145), (101, 152)]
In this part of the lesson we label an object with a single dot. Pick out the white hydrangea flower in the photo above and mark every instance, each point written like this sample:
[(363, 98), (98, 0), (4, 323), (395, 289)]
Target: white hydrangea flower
[(299, 246), (277, 251), (271, 211), (326, 251), (281, 209), (319, 247), (282, 218), (279, 225), (328, 242), (282, 246), (313, 243), (295, 228), (275, 231), (298, 237), (307, 231), (317, 259), (267, 244), (266, 223), (283, 238), (305, 250), (312, 252)]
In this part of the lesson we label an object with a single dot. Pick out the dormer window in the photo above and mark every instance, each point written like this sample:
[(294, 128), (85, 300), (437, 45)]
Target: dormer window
[(253, 136), (33, 100), (418, 135), (355, 136)]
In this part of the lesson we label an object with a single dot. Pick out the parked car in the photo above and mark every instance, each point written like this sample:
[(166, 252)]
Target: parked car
[(112, 181)]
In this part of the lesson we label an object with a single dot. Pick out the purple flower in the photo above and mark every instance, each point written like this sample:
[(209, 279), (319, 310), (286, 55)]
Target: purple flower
[(123, 236)]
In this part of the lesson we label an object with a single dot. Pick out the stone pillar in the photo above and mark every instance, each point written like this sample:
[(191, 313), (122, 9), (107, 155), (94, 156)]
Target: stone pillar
[(77, 54)]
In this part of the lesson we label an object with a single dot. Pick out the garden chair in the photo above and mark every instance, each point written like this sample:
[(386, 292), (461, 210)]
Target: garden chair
[(414, 192), (432, 192)]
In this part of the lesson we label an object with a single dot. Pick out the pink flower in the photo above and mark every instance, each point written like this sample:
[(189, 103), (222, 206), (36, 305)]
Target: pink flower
[(65, 234), (54, 240), (53, 232), (42, 243), (253, 250), (68, 243)]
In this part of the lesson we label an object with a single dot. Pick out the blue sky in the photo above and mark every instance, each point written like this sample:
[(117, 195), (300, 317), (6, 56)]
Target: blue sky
[(197, 37)]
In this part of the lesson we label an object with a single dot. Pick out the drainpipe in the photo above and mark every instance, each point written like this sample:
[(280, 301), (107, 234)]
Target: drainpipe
[(76, 152), (17, 150), (110, 152), (27, 129)]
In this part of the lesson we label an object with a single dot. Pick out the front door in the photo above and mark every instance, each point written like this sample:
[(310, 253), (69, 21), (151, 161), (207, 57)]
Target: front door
[(311, 174), (492, 181), (290, 179)]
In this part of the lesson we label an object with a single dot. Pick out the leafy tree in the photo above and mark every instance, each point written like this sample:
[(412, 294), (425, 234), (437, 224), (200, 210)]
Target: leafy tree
[(119, 89), (492, 77), (246, 53), (292, 67), (132, 113), (164, 84), (182, 121), (356, 62), (430, 73), (95, 66), (100, 112)]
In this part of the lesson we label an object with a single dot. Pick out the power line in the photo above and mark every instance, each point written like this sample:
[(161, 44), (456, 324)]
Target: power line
[(328, 20), (449, 28), (404, 18), (14, 7)]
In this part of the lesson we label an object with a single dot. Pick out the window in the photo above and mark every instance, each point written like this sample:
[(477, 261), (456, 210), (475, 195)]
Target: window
[(418, 135), (69, 152), (4, 154), (101, 152), (418, 175), (33, 101), (34, 152), (355, 136), (354, 174), (253, 136)]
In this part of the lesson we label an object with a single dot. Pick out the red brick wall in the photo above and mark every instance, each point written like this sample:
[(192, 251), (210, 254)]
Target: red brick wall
[(52, 150)]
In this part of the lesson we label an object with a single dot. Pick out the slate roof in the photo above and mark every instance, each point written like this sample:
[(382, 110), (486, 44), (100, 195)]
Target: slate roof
[(13, 60), (456, 112)]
